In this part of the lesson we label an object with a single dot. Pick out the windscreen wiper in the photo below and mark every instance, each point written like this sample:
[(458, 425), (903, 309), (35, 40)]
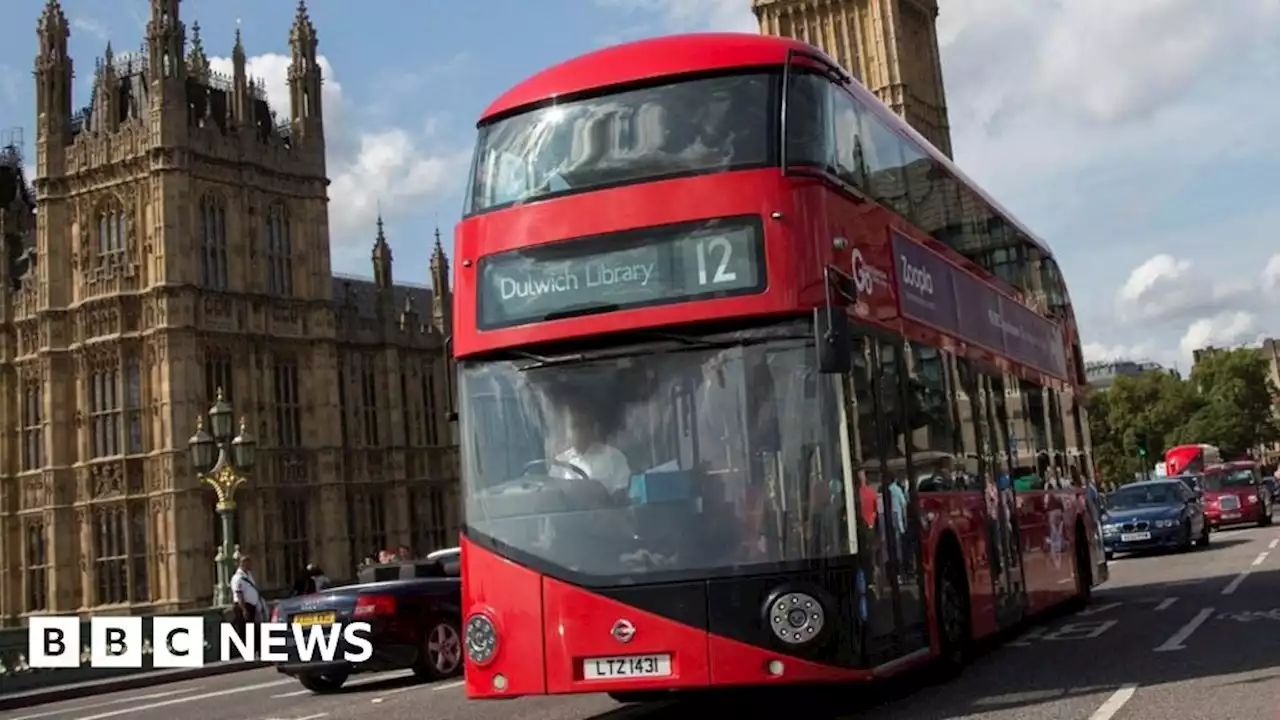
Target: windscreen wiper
[(540, 361), (690, 340)]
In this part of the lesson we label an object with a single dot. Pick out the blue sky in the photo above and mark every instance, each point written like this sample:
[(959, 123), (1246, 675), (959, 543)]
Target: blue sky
[(1132, 136)]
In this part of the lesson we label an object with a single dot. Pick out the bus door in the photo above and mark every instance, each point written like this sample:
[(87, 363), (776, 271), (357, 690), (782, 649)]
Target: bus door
[(1000, 491), (887, 522)]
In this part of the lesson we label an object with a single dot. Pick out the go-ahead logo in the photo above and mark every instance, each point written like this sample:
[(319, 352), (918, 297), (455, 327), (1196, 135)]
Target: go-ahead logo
[(863, 277), (915, 276)]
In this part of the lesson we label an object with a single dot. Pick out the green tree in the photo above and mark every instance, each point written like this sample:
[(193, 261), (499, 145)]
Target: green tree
[(1236, 410), (1144, 412)]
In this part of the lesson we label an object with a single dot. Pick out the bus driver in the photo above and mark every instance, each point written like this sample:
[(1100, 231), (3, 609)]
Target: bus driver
[(589, 456)]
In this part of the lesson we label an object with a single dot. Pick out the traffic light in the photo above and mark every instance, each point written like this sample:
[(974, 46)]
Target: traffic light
[(1141, 440)]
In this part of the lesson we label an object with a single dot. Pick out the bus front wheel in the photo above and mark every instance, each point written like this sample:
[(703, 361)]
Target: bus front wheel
[(951, 611)]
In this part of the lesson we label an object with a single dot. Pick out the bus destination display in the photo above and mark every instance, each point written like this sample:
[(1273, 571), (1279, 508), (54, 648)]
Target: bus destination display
[(655, 266)]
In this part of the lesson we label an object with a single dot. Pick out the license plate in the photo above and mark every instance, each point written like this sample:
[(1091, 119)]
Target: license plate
[(629, 666), (1135, 537), (314, 619), (1230, 515)]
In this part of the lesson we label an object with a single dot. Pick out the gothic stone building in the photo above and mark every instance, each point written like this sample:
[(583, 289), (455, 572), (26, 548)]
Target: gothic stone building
[(180, 245)]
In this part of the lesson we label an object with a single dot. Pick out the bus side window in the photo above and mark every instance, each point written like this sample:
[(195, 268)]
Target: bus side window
[(850, 157), (808, 122)]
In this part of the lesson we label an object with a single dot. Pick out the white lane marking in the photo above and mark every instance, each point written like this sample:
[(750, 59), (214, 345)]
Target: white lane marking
[(1114, 703), (436, 687), (1262, 557), (308, 717), (188, 698), (1175, 642), (450, 685), (1098, 609), (295, 693), (107, 703), (1274, 543), (1165, 603), (1234, 585)]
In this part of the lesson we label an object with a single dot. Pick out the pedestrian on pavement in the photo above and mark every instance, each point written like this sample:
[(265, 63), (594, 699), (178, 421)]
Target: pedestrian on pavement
[(318, 581), (249, 606)]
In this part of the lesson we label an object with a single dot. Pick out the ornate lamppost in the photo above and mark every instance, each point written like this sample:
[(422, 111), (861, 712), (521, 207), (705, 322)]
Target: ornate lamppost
[(222, 462)]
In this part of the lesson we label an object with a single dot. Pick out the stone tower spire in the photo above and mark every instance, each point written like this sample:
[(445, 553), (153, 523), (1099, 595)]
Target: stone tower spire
[(305, 81), (53, 72), (166, 37), (167, 73), (106, 94), (197, 61), (240, 105), (381, 258), (891, 46), (441, 292)]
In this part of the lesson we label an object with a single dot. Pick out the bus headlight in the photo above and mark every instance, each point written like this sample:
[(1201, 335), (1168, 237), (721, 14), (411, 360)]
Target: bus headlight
[(482, 639), (796, 617)]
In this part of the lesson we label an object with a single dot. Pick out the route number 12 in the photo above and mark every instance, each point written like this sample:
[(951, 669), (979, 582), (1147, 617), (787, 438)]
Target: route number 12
[(717, 248)]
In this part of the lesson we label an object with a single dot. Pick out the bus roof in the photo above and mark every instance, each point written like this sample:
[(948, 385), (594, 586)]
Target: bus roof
[(701, 52)]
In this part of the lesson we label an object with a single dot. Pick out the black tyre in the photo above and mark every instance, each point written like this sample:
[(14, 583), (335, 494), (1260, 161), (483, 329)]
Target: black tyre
[(1187, 538), (441, 654), (951, 609), (1084, 570), (326, 683)]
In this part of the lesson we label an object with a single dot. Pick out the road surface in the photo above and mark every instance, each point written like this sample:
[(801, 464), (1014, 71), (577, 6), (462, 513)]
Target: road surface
[(1184, 636)]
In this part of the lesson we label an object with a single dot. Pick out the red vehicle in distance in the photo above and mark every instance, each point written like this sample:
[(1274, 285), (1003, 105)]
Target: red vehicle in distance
[(1190, 459), (745, 368), (1235, 494)]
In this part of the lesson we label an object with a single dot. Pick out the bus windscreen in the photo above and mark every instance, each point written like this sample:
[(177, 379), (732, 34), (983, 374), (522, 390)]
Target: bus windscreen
[(639, 268)]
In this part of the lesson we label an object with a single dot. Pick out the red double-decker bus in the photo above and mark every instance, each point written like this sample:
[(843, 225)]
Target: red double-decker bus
[(1190, 459), (749, 392)]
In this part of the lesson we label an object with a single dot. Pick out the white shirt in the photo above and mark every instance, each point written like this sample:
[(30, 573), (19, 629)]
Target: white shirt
[(603, 463), (243, 584)]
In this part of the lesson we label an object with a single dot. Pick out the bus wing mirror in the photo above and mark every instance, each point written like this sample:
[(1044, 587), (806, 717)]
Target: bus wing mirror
[(833, 339)]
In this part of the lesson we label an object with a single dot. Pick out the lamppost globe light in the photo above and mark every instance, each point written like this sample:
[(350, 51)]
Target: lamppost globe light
[(222, 418), (244, 448), (204, 449)]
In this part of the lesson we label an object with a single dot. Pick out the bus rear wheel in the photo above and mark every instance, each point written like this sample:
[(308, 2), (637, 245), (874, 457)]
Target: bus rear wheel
[(951, 611)]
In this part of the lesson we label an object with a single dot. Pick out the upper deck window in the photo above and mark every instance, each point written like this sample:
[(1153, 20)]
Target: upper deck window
[(692, 126), (831, 130)]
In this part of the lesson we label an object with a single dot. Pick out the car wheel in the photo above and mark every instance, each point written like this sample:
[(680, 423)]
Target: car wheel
[(326, 683), (441, 653), (1187, 539)]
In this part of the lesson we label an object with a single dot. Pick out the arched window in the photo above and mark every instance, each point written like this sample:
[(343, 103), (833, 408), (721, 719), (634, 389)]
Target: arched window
[(279, 251), (213, 243), (112, 229)]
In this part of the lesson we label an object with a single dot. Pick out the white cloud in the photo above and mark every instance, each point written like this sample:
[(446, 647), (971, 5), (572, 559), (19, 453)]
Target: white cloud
[(695, 15), (393, 168), (89, 25), (1226, 329), (1271, 277)]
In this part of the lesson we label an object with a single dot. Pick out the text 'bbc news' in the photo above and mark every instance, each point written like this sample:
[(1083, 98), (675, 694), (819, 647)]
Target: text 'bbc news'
[(179, 641)]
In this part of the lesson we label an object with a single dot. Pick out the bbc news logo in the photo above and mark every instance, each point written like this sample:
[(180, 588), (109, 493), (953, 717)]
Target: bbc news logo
[(179, 641)]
